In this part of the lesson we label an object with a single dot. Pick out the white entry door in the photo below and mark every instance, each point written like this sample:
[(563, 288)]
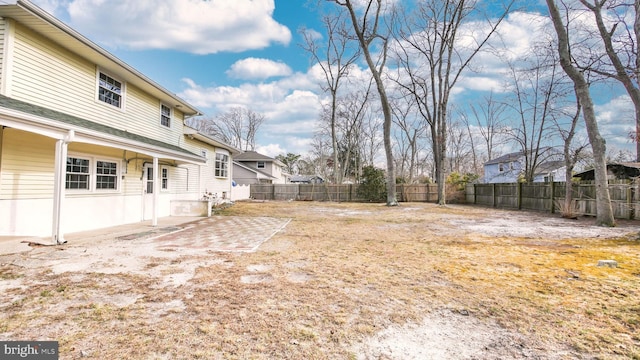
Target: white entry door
[(147, 188)]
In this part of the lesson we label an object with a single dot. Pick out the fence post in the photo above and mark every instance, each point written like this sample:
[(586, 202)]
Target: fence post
[(475, 194), (553, 207), (495, 203), (519, 195), (630, 200)]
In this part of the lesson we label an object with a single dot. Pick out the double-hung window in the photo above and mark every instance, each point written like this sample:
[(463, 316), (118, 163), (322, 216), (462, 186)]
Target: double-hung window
[(165, 115), (260, 165), (106, 175), (90, 174), (222, 165), (164, 175), (109, 90), (77, 173)]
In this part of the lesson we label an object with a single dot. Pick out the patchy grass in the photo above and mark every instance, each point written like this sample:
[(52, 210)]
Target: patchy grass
[(336, 275)]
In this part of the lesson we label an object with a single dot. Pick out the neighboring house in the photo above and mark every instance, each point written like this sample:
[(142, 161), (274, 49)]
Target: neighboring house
[(306, 179), (510, 168), (615, 171), (87, 141), (251, 167)]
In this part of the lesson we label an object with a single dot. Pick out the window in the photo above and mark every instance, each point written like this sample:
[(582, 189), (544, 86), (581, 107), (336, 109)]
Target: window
[(109, 90), (165, 116), (260, 164), (106, 175), (87, 173), (77, 173), (501, 167), (222, 165), (165, 178)]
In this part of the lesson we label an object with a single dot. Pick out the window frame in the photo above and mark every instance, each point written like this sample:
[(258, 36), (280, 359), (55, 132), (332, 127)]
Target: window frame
[(164, 116), (263, 163), (221, 166), (121, 104), (93, 174), (115, 176), (164, 180), (87, 174)]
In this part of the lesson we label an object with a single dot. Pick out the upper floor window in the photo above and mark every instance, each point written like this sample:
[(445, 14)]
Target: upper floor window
[(222, 165), (109, 90), (165, 115), (261, 165), (501, 167)]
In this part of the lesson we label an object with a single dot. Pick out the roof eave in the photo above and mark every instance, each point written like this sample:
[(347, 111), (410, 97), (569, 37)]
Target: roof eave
[(97, 54)]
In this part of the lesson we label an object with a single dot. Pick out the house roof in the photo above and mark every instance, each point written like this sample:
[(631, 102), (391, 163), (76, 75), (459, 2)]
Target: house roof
[(44, 117), (549, 166), (619, 170), (38, 20), (506, 158), (302, 178), (253, 156)]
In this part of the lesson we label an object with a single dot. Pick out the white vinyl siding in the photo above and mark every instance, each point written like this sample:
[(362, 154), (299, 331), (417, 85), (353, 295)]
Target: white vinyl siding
[(50, 76), (27, 165), (3, 37)]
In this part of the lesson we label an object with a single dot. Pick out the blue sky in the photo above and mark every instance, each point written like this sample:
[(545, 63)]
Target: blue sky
[(225, 53)]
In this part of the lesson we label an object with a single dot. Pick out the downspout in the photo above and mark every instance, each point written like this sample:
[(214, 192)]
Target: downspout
[(59, 177)]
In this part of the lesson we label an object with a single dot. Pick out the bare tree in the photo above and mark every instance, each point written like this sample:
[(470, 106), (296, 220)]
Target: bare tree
[(411, 131), (489, 123), (238, 127), (572, 154), (621, 50), (367, 31), (604, 211), (535, 86), (434, 58), (334, 57)]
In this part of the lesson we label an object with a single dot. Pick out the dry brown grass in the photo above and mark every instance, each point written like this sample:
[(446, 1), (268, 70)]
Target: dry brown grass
[(335, 275)]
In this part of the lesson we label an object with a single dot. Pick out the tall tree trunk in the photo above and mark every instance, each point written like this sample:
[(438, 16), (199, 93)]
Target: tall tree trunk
[(604, 210)]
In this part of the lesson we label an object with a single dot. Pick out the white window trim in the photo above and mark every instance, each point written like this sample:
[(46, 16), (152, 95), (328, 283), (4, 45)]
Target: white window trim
[(215, 166), (93, 176), (170, 116), (123, 96), (160, 178), (264, 164)]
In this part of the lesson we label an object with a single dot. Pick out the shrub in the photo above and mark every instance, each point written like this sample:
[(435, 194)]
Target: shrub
[(373, 184)]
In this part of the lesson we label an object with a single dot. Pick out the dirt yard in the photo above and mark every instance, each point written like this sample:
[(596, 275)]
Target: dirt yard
[(338, 281)]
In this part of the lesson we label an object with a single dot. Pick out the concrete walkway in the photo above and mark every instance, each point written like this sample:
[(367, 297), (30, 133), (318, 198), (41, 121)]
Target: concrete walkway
[(216, 233)]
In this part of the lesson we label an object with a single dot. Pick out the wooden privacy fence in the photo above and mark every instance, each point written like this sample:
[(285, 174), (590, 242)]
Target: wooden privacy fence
[(345, 192), (625, 197)]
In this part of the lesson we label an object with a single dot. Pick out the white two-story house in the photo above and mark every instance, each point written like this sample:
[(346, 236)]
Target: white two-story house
[(87, 141)]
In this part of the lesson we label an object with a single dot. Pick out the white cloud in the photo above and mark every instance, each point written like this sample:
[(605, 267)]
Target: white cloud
[(271, 150), (195, 26), (253, 68)]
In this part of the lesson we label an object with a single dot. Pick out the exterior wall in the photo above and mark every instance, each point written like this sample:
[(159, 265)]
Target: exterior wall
[(26, 187), (510, 173), (208, 181), (243, 176), (46, 74), (3, 47)]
